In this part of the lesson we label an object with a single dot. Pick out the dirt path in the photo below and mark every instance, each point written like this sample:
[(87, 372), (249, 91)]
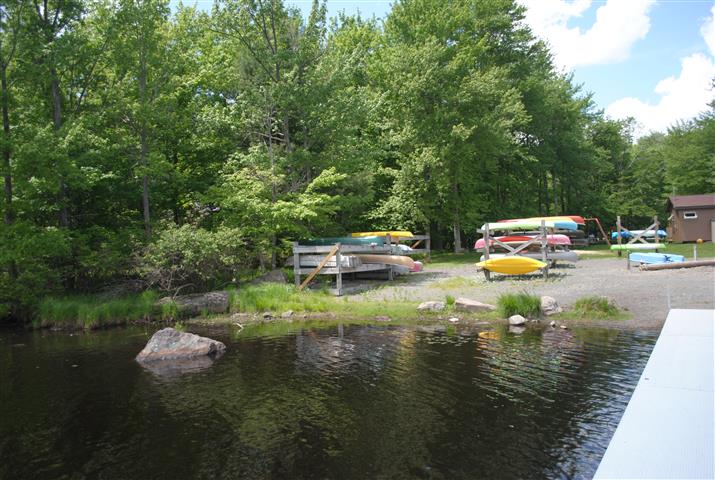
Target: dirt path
[(647, 295)]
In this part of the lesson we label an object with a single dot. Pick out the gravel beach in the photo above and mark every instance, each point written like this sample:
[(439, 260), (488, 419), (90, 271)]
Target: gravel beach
[(647, 295)]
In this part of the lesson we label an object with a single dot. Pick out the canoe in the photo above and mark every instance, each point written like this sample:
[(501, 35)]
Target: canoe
[(561, 256), (531, 225), (556, 239), (511, 265), (639, 246), (379, 241), (401, 260), (558, 218), (394, 234), (346, 261), (653, 258), (633, 233)]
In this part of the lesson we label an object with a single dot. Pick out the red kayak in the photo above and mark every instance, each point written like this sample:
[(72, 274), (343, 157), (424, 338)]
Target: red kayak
[(557, 239)]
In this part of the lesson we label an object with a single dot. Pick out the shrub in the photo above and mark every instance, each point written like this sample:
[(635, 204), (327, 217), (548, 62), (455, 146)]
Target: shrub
[(595, 307), (522, 304), (191, 255)]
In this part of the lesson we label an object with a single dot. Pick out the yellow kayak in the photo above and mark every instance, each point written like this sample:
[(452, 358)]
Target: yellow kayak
[(394, 234), (511, 265)]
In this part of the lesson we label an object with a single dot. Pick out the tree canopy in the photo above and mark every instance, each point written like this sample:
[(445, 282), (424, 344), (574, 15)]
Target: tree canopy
[(140, 142)]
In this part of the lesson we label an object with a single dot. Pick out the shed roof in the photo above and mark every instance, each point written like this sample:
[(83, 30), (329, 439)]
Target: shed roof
[(689, 201)]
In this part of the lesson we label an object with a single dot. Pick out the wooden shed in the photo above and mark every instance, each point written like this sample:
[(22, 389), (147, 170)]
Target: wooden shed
[(691, 217)]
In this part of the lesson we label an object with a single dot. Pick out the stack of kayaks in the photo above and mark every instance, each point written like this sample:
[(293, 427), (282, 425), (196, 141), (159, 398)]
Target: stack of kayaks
[(526, 261)]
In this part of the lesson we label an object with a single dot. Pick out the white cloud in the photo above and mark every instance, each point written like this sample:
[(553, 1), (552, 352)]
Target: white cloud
[(619, 24), (681, 98), (708, 31)]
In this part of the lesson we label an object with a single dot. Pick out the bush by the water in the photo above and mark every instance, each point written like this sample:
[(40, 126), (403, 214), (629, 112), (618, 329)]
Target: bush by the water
[(595, 307), (522, 304), (93, 311)]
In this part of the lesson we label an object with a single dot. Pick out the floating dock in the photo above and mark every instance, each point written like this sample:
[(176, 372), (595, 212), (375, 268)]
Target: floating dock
[(668, 428)]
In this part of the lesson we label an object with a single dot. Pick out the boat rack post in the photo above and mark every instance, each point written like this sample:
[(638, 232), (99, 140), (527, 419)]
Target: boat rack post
[(487, 274), (296, 264), (618, 233), (544, 243), (339, 276)]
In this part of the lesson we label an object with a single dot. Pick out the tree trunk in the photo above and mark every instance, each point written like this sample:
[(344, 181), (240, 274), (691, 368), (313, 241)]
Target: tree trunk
[(9, 209), (274, 193), (456, 227), (64, 218), (9, 212), (144, 148)]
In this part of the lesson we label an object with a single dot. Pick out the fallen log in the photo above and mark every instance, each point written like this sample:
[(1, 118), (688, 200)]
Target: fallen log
[(670, 266)]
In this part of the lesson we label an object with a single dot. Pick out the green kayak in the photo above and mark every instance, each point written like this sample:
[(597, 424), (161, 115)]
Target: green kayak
[(639, 246), (379, 241)]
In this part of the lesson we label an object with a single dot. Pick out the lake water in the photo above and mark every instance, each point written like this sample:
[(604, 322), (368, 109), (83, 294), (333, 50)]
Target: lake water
[(344, 402)]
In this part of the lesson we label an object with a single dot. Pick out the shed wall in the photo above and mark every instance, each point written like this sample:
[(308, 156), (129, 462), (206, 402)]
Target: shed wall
[(681, 229)]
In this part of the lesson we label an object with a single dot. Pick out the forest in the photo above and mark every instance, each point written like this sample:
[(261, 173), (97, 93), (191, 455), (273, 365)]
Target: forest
[(149, 147)]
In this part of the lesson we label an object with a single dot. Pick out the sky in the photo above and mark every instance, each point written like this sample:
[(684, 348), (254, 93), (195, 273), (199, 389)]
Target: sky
[(653, 60)]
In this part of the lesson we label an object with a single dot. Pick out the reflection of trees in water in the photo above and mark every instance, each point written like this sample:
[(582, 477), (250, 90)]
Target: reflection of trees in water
[(362, 402)]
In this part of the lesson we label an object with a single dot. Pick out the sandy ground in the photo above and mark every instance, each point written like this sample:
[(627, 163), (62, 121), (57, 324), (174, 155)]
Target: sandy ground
[(646, 295)]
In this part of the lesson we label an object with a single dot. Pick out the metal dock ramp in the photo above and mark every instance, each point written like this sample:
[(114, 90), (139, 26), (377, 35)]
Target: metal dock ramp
[(668, 428)]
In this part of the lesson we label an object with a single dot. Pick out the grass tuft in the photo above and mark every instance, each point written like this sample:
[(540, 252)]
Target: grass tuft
[(595, 307), (278, 297), (523, 304), (88, 312)]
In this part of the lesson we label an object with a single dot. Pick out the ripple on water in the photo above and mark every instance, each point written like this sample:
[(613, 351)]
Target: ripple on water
[(340, 402)]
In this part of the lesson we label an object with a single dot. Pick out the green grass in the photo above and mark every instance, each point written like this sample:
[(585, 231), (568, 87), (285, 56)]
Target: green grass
[(523, 304), (595, 307), (278, 297), (88, 312), (445, 258)]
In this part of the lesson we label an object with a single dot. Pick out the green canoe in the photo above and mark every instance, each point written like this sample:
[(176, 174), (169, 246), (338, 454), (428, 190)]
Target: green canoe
[(379, 241), (639, 246)]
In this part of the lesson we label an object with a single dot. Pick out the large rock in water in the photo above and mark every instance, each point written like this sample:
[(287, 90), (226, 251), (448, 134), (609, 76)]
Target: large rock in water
[(199, 303), (549, 306), (171, 344), (467, 305)]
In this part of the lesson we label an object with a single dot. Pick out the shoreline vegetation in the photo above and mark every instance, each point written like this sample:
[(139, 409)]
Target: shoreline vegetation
[(282, 303)]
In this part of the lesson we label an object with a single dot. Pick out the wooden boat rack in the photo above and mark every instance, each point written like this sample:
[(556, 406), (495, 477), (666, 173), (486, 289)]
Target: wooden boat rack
[(338, 250)]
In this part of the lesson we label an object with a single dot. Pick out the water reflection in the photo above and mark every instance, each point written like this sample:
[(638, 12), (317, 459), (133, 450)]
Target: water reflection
[(339, 402)]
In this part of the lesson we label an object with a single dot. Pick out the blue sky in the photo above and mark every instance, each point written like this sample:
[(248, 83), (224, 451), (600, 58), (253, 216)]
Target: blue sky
[(649, 59)]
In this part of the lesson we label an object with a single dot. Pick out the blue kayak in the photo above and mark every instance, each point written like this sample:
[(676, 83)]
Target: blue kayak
[(641, 257), (632, 233)]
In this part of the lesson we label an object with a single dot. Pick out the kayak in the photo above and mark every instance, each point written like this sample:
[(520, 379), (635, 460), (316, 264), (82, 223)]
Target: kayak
[(394, 234), (639, 246), (556, 239), (531, 225), (511, 265), (561, 256), (379, 241), (633, 233), (401, 260), (656, 258), (558, 218)]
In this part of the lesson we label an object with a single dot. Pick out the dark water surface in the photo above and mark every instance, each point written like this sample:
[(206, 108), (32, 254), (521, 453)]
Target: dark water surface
[(340, 402)]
